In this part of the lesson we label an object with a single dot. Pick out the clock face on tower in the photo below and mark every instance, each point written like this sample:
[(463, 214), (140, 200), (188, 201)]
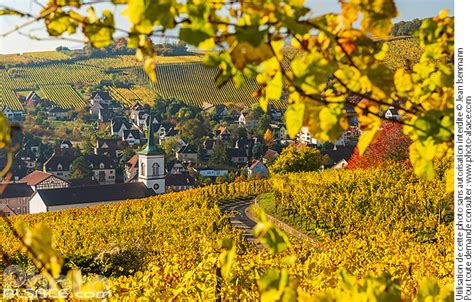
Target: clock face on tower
[(156, 186)]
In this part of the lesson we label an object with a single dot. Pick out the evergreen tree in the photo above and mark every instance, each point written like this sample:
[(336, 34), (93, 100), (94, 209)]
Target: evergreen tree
[(81, 168), (219, 155)]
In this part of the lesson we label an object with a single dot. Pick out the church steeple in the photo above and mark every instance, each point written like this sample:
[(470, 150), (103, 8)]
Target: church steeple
[(151, 160), (151, 148)]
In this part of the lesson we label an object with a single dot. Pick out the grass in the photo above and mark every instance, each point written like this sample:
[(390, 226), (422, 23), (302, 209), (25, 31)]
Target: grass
[(266, 201)]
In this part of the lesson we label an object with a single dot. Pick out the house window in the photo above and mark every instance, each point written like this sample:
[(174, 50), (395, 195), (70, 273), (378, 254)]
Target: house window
[(101, 176), (101, 166), (60, 167), (142, 166), (155, 169)]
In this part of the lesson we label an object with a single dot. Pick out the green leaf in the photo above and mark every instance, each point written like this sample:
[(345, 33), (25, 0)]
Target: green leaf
[(244, 53), (40, 243), (294, 116), (100, 31), (196, 37), (227, 257), (368, 135), (149, 68), (274, 87), (57, 24), (250, 34), (403, 81), (421, 155), (272, 237)]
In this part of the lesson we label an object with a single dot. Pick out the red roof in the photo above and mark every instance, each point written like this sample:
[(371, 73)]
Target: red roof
[(270, 153), (255, 163), (222, 130), (36, 177), (132, 162)]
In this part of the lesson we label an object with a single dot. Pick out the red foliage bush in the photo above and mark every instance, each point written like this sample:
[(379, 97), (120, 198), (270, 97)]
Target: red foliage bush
[(391, 144)]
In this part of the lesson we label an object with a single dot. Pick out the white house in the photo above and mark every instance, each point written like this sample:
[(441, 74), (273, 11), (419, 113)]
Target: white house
[(257, 169), (305, 137), (11, 114), (58, 114), (132, 137), (119, 124), (246, 121), (101, 97), (392, 114), (39, 180), (151, 181), (211, 172), (79, 197)]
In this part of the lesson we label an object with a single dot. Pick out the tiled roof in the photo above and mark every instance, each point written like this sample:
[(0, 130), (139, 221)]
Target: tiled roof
[(16, 190), (65, 160), (132, 162), (255, 163), (90, 194), (236, 152), (96, 160), (134, 133), (58, 110), (187, 149), (36, 177), (184, 179), (341, 153), (271, 154), (103, 95)]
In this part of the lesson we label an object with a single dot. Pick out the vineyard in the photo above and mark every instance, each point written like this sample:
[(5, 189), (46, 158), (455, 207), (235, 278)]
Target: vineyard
[(350, 213), (130, 61), (59, 73), (116, 62), (179, 77), (128, 96), (403, 53), (8, 98), (43, 56), (387, 219), (14, 83), (13, 59), (194, 84), (63, 96)]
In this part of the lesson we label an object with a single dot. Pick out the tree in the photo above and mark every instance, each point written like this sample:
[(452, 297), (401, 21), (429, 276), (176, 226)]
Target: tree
[(329, 45), (406, 28), (237, 132), (258, 150), (193, 131), (201, 152), (219, 155), (390, 145), (170, 146), (81, 168), (268, 138), (263, 124), (302, 159), (127, 154), (327, 146)]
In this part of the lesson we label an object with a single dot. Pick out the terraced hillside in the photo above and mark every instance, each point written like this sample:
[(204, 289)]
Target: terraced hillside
[(59, 73), (194, 84), (8, 98), (63, 96)]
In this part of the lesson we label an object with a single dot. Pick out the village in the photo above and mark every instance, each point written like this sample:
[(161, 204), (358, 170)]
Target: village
[(241, 146)]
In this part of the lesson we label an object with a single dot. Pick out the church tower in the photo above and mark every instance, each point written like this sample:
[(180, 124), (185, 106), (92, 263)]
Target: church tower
[(151, 163)]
